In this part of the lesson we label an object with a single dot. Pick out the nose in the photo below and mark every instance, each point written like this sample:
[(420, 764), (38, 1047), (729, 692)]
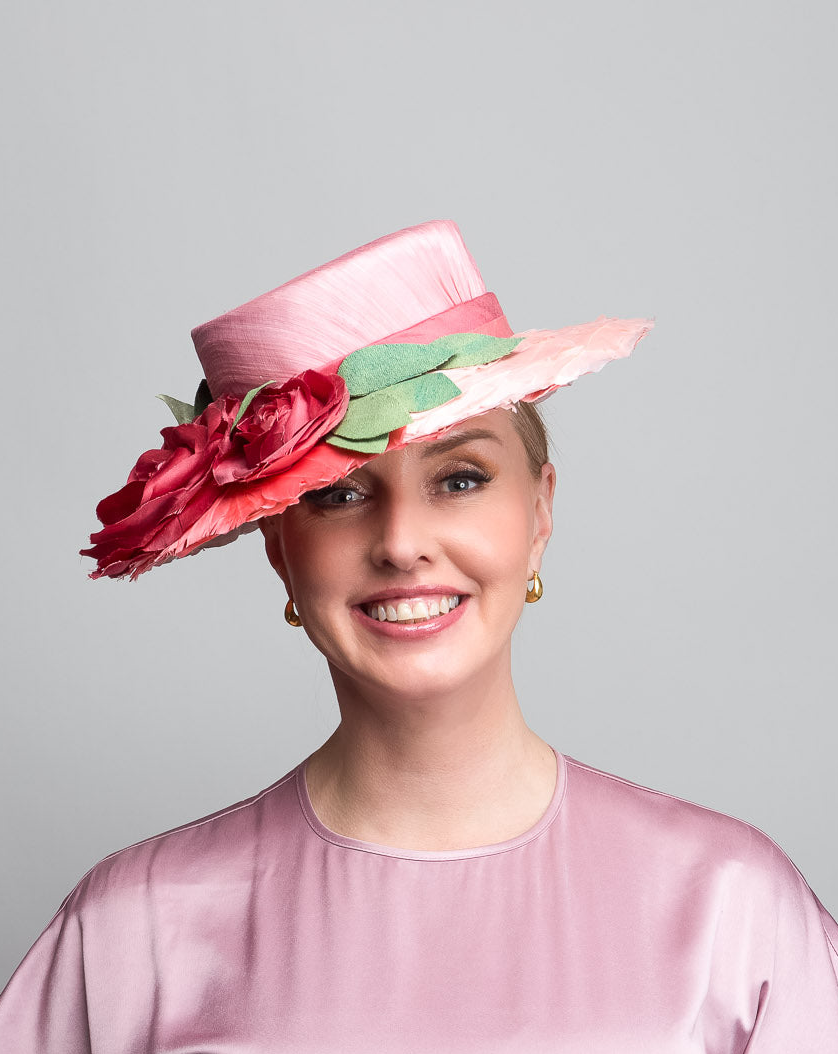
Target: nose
[(402, 534)]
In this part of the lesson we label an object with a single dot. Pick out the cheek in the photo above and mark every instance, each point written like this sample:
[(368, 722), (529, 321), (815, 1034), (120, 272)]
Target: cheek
[(500, 550), (310, 568), (300, 552), (323, 565)]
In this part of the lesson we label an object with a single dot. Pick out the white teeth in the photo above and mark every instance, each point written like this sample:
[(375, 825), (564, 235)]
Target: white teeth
[(412, 611)]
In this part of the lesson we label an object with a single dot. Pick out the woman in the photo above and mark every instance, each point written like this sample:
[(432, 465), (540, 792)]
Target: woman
[(435, 877)]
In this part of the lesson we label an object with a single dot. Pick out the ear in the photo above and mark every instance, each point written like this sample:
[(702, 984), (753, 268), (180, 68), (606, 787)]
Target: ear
[(543, 520), (272, 533)]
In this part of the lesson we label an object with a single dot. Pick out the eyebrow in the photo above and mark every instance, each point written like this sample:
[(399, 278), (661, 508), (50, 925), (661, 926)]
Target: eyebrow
[(442, 446)]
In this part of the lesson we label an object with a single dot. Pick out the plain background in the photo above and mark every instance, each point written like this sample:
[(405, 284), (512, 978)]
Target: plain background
[(166, 161)]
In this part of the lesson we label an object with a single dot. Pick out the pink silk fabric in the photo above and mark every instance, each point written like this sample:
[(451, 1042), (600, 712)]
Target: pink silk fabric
[(391, 285), (483, 314), (624, 921)]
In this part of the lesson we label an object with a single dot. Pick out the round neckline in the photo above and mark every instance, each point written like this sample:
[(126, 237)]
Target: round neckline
[(358, 845)]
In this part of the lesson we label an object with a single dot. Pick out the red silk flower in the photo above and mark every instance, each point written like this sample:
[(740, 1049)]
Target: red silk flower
[(169, 489), (282, 424)]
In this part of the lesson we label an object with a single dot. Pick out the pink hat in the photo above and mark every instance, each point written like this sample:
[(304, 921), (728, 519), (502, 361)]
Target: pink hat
[(394, 342)]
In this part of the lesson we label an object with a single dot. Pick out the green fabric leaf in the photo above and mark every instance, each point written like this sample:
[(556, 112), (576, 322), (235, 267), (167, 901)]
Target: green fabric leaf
[(390, 408), (479, 349), (375, 445), (248, 399), (373, 415), (426, 392), (184, 412), (380, 366)]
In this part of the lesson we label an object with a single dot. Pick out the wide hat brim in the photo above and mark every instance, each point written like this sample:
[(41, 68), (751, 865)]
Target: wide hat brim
[(210, 506)]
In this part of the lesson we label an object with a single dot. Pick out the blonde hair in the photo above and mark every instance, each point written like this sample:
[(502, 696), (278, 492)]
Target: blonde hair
[(533, 432)]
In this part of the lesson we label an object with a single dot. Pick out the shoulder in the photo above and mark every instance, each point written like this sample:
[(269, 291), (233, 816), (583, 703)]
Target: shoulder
[(666, 840), (682, 834), (154, 894), (213, 850)]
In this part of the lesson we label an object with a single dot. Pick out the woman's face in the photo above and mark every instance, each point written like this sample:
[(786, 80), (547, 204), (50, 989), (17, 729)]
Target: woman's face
[(410, 574)]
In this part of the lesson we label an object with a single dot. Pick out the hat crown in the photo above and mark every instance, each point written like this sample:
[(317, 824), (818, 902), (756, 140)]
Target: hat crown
[(364, 296)]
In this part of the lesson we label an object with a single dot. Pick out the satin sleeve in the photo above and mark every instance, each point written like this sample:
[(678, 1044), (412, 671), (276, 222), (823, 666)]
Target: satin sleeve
[(44, 1007), (798, 1002)]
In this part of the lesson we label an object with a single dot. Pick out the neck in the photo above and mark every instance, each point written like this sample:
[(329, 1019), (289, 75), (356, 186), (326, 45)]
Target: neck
[(458, 770)]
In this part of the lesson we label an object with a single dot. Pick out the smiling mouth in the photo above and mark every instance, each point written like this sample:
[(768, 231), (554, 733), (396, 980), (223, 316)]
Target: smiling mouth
[(409, 612)]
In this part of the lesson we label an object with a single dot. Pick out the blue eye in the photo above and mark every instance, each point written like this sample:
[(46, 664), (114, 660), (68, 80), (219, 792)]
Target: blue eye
[(462, 482), (334, 496), (343, 497)]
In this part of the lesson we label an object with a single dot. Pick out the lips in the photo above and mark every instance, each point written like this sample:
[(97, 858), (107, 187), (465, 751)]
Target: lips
[(409, 609)]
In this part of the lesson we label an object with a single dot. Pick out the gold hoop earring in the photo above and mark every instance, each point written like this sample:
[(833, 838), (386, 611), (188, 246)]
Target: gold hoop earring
[(291, 616), (537, 590)]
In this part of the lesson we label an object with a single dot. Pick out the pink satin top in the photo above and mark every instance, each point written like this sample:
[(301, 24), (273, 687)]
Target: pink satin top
[(624, 921)]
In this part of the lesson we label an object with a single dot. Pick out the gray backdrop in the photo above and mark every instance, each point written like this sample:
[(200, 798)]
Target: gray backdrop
[(166, 161)]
